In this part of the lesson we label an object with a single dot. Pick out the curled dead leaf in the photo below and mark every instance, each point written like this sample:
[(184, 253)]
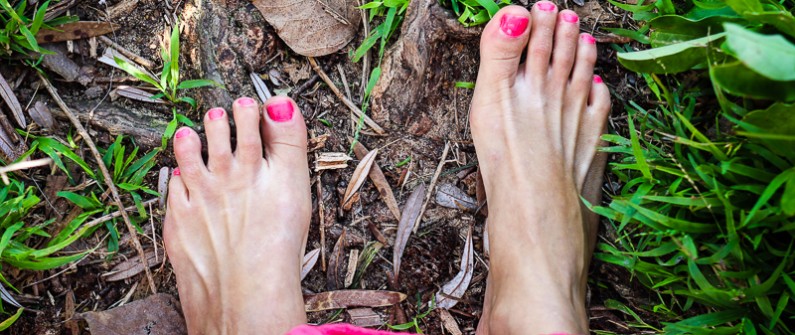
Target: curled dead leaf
[(410, 213), (13, 103), (351, 298), (447, 195), (451, 292), (358, 177), (310, 259)]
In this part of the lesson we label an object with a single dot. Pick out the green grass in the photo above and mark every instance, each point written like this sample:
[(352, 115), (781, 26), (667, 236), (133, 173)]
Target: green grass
[(20, 23)]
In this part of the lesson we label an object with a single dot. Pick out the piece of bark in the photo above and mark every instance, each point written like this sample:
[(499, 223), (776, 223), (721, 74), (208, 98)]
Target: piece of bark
[(331, 160), (75, 31), (12, 102), (159, 314), (379, 180), (61, 64), (133, 266), (365, 317), (351, 298), (312, 27), (353, 261), (147, 126), (449, 322)]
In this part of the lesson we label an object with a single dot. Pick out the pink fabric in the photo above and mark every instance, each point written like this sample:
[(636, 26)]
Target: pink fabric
[(336, 329)]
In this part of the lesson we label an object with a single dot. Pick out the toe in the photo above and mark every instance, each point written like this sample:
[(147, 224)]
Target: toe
[(284, 133), (539, 50), (187, 150), (592, 126), (219, 148), (177, 192), (582, 74), (247, 120), (501, 45), (565, 50)]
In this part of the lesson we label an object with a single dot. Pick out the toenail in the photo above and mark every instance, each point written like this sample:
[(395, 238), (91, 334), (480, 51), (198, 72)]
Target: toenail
[(597, 79), (176, 171), (215, 113), (513, 25), (246, 102), (546, 6), (280, 111), (182, 133), (588, 38), (570, 17)]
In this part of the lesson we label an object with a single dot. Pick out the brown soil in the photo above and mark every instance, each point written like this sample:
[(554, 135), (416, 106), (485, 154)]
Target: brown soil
[(420, 109)]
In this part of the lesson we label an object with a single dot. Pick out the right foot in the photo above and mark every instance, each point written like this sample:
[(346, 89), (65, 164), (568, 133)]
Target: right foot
[(536, 127)]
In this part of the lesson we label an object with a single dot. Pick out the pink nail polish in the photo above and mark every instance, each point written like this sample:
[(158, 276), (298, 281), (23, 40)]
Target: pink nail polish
[(281, 111), (215, 113), (570, 17), (182, 133), (546, 6), (597, 79), (512, 25), (176, 171), (588, 38), (246, 102)]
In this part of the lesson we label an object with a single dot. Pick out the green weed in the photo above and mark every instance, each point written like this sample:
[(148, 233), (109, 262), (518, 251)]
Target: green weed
[(415, 321), (20, 23)]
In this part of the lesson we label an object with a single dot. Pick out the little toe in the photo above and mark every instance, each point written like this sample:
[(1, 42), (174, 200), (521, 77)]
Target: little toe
[(187, 150), (247, 120), (284, 132), (177, 192), (565, 50), (539, 50), (219, 147), (501, 45)]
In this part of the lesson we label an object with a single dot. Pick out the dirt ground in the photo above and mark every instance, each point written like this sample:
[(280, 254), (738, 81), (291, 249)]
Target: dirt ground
[(239, 42)]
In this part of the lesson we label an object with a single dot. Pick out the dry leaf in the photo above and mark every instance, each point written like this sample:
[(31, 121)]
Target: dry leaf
[(11, 145), (310, 259), (317, 142), (353, 261), (351, 298), (133, 93), (408, 217), (379, 180), (359, 176), (13, 103), (157, 314), (365, 317), (75, 31), (312, 27), (451, 292), (449, 322), (41, 114), (259, 85), (331, 160), (333, 273), (133, 266), (162, 185), (447, 195)]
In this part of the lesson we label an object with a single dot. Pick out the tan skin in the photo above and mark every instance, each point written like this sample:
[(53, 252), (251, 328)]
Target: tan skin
[(536, 125)]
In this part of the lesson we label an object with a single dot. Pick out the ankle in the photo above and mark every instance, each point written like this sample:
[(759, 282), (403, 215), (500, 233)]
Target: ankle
[(537, 317)]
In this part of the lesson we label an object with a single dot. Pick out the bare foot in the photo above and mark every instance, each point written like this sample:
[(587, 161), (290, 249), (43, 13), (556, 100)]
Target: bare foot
[(536, 127), (236, 227)]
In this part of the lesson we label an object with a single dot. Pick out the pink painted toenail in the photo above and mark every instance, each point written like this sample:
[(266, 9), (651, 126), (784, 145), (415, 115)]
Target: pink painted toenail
[(176, 171), (246, 102), (182, 133), (597, 79), (513, 25), (215, 113), (570, 18), (281, 111), (546, 6), (588, 38)]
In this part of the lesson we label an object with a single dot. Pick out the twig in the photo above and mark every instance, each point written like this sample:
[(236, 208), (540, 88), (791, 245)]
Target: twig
[(439, 167), (321, 211), (102, 219), (370, 123), (138, 59), (366, 58), (108, 180), (21, 166)]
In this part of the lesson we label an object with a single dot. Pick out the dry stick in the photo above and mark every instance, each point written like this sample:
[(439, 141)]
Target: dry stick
[(370, 123), (108, 180), (22, 166), (321, 211), (433, 183), (138, 59)]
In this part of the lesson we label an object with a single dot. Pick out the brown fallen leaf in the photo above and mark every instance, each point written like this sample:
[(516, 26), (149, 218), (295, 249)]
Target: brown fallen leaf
[(447, 195), (157, 314), (42, 115), (317, 142), (379, 180), (451, 292), (133, 93), (410, 213), (312, 27), (133, 266), (334, 270), (331, 160), (365, 317), (310, 259), (11, 144), (359, 176), (75, 31), (449, 322), (351, 298), (13, 103)]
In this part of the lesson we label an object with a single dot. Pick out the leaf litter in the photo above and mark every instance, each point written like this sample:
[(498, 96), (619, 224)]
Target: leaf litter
[(410, 213), (378, 179), (358, 178), (451, 292), (351, 298)]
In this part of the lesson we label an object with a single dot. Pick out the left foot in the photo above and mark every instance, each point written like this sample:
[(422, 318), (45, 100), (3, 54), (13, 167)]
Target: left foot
[(236, 227)]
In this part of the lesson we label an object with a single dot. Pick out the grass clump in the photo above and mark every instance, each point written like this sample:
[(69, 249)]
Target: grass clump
[(20, 23), (706, 214)]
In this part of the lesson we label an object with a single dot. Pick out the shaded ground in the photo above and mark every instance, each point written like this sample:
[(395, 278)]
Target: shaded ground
[(420, 131)]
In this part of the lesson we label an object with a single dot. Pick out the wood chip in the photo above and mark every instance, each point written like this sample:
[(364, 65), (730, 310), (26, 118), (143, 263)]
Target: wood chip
[(447, 195), (351, 298), (365, 317), (317, 142), (358, 178), (133, 93), (310, 259), (379, 180), (353, 261), (331, 161), (451, 292), (334, 271), (12, 102), (132, 266), (259, 85), (408, 217), (75, 31), (449, 322), (41, 114)]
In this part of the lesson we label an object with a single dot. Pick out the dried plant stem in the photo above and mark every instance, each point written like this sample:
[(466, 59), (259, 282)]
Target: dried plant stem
[(435, 178), (108, 180)]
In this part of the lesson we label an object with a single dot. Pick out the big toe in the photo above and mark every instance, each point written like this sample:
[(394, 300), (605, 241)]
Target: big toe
[(501, 45), (284, 133)]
